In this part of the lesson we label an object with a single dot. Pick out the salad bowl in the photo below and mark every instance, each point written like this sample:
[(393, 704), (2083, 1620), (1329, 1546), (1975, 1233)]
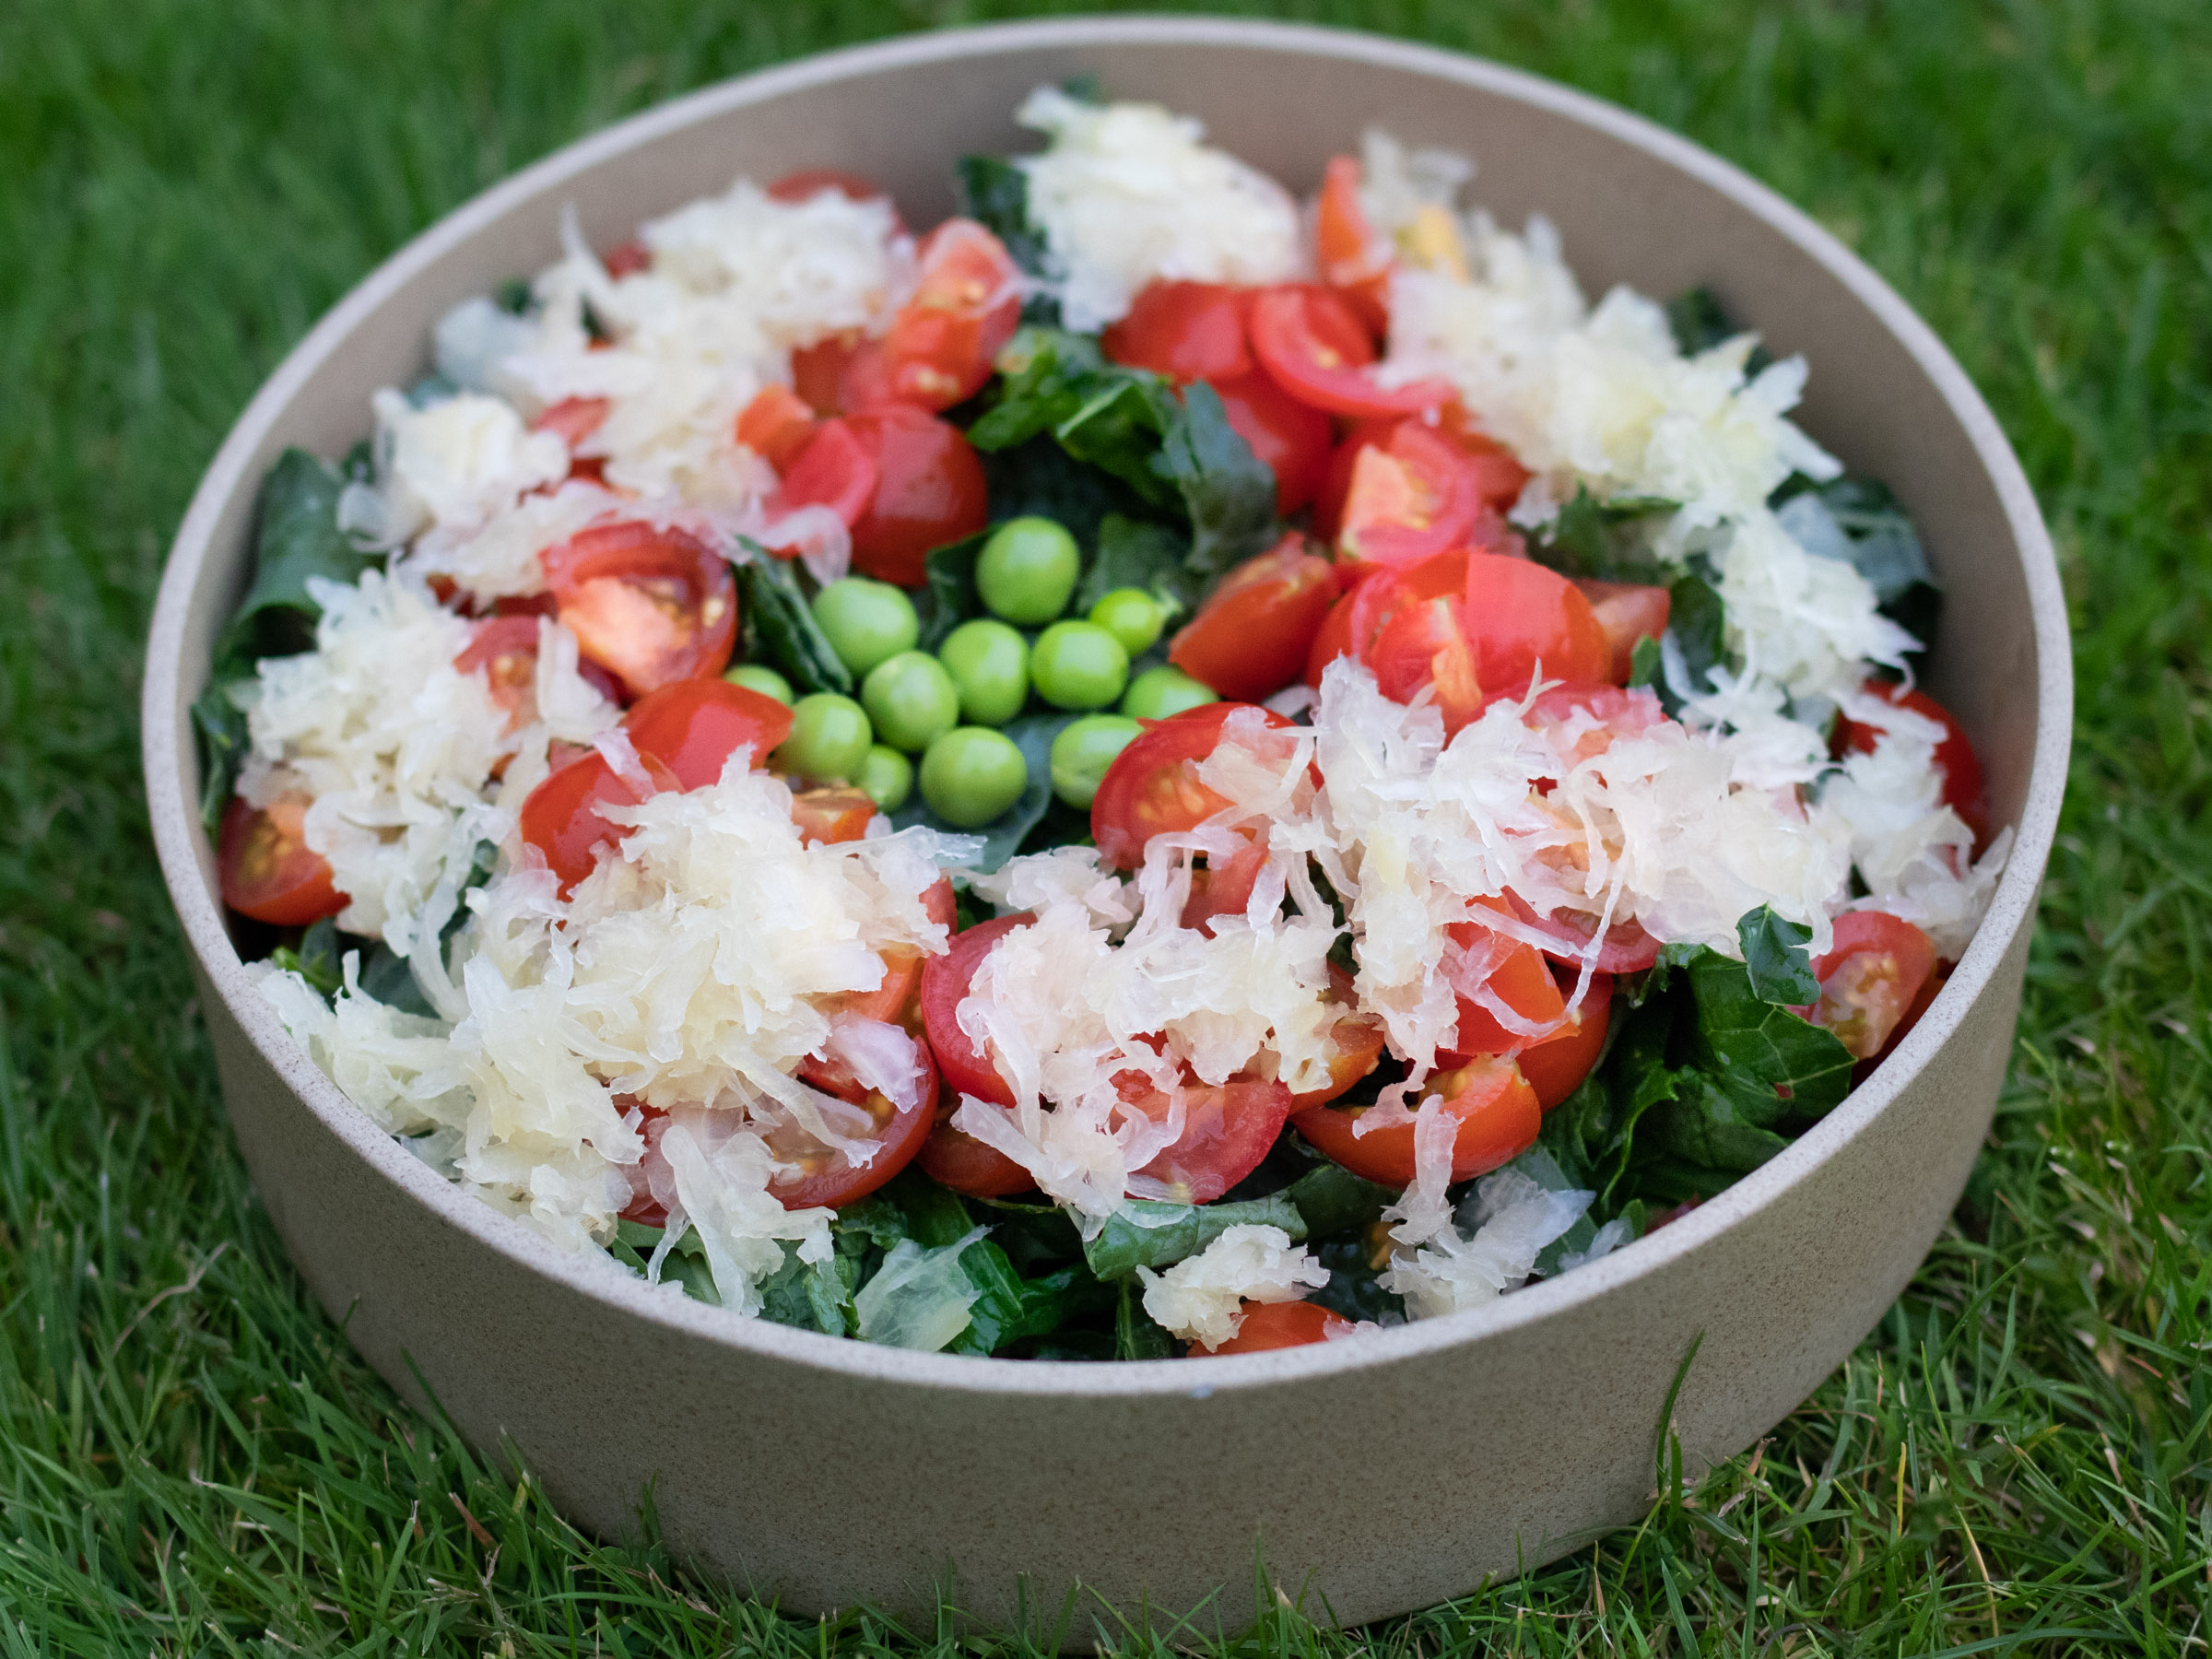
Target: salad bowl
[(1368, 1478)]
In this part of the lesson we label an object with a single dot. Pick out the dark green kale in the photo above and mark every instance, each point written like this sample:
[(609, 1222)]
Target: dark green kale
[(780, 626)]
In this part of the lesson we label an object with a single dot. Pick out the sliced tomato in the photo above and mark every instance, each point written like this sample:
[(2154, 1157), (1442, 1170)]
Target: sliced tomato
[(1224, 889), (1293, 438), (1515, 974), (1251, 636), (505, 649), (1152, 787), (966, 302), (1186, 331), (825, 1176), (1929, 989), (945, 980), (573, 418), (1427, 644), (1496, 476), (811, 181), (265, 867), (1617, 712), (897, 999), (1319, 351), (1227, 1129), (1265, 1326), (1869, 978), (1412, 496), (561, 818), (1627, 948), (1334, 640), (1555, 1066), (1355, 1044), (1964, 791), (648, 605), (776, 426), (831, 815), (817, 371), (955, 1158), (1627, 612), (626, 259), (834, 468), (1498, 1114), (695, 725), (1354, 261), (929, 490), (1524, 616)]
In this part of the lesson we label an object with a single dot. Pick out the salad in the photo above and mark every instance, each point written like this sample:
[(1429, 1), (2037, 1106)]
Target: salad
[(1158, 768)]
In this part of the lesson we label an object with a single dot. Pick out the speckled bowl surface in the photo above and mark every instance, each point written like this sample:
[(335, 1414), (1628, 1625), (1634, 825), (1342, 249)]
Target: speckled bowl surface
[(1382, 1473)]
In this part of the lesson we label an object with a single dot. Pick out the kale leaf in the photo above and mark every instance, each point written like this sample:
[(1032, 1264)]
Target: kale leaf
[(298, 538), (1699, 321), (780, 625), (1147, 1235), (1605, 541)]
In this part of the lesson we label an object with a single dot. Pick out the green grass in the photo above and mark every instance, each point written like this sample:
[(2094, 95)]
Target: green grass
[(190, 1459)]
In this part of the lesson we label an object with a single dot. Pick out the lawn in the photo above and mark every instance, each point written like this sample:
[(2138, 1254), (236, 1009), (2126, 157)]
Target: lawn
[(191, 1458)]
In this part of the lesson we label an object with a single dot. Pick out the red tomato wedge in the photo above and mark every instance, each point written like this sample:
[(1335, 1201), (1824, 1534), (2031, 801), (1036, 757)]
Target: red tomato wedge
[(1412, 495), (1523, 618), (650, 606), (1152, 786), (945, 980), (695, 725), (1869, 978), (966, 304), (1627, 612), (1251, 638), (1265, 1326), (929, 490), (832, 815), (1293, 438), (1555, 1066), (561, 818), (953, 1157), (817, 371), (265, 867), (505, 649), (1354, 261), (811, 181), (1498, 1114), (1319, 351), (1425, 645), (835, 469), (825, 1175), (1224, 889), (573, 418), (1186, 331), (1498, 478), (1627, 948), (1512, 972), (776, 426), (897, 1000), (1227, 1129), (1355, 1040), (1964, 791)]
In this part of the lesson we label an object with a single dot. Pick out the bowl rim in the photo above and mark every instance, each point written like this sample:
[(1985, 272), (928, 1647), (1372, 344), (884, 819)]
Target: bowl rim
[(178, 837)]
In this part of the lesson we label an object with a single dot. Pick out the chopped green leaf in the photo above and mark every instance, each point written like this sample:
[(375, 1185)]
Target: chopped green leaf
[(1773, 1063), (316, 960), (948, 597), (781, 626), (1697, 622), (1774, 956), (1135, 553), (1699, 321), (298, 538), (1355, 1288), (219, 725), (1330, 1199), (1010, 1309), (1147, 1235), (1605, 541), (1644, 662), (1228, 490), (996, 195), (1136, 1335), (812, 1296)]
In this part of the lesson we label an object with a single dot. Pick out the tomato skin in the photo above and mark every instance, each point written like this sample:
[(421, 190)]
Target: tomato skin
[(1627, 948), (505, 649), (1519, 978), (1354, 261), (1186, 331), (1964, 791), (810, 181), (1556, 1066), (1869, 978), (945, 980), (929, 490), (1425, 645), (1293, 438), (835, 469), (1627, 612), (562, 819), (1498, 1120), (832, 815), (817, 371), (1318, 350), (1265, 1326), (1497, 479), (1251, 638), (1333, 641), (693, 726), (967, 304), (1357, 1040), (955, 1158), (776, 426), (900, 1131), (266, 869), (573, 418), (1527, 617), (650, 606), (1150, 789), (626, 259), (1412, 496), (1227, 1129), (1224, 889)]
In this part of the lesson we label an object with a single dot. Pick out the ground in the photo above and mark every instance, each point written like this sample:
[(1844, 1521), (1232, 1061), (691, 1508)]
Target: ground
[(190, 1459)]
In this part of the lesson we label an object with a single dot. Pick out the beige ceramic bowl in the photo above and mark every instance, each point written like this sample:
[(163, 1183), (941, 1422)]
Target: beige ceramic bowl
[(1382, 1473)]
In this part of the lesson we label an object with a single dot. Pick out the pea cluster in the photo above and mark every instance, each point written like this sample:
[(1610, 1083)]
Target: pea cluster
[(947, 707)]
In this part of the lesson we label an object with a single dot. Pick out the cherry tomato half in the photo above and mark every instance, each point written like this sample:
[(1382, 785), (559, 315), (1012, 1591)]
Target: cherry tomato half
[(1224, 889), (1427, 644), (1354, 261), (776, 426), (945, 980), (1526, 616), (695, 725), (1264, 1325), (833, 468), (1227, 1129), (1498, 1114), (1869, 978), (266, 869), (1412, 494), (824, 1175), (505, 649), (1964, 791), (1186, 331), (897, 999), (810, 181), (966, 302), (1497, 477), (1555, 1066), (650, 606), (929, 490), (562, 819), (1319, 351), (1627, 612), (573, 418), (1355, 1043), (955, 1158), (832, 815), (1290, 437), (1152, 786), (1515, 974), (1251, 638)]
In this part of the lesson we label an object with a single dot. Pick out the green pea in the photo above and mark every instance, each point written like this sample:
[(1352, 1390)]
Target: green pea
[(1026, 570), (990, 667), (971, 776), (1078, 666), (865, 621), (829, 738), (757, 677), (1159, 692), (1133, 616), (887, 778), (911, 701), (1083, 751)]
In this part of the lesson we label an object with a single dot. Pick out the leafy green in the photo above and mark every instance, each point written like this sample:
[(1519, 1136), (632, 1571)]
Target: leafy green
[(1355, 1288), (219, 725), (1773, 1063), (1775, 958), (1857, 520), (1697, 622), (1143, 1233), (1134, 553), (1645, 662), (1136, 1335), (1228, 490), (1605, 541), (1330, 1199), (298, 538), (1011, 1309), (948, 597), (780, 626), (315, 959), (1699, 321), (814, 1296), (994, 194), (1003, 836), (686, 1264)]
